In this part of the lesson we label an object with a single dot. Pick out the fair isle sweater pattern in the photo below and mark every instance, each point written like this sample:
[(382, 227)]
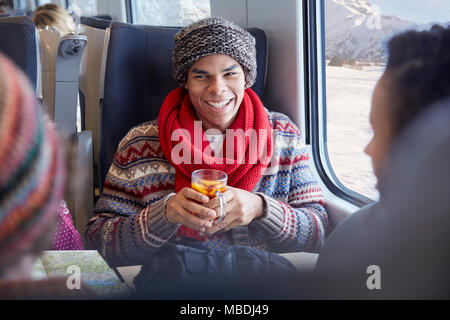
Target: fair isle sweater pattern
[(130, 222)]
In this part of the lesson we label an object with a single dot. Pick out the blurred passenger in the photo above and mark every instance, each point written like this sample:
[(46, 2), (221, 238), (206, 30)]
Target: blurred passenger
[(54, 16), (6, 7), (32, 176), (405, 234)]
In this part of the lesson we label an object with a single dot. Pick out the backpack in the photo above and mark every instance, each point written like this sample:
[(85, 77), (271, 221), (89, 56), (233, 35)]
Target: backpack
[(238, 272)]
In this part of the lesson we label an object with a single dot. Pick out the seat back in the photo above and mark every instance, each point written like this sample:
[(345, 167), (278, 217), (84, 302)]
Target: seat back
[(90, 76), (138, 77), (18, 42)]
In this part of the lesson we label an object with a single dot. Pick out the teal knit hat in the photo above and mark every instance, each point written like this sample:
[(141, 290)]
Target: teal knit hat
[(31, 168)]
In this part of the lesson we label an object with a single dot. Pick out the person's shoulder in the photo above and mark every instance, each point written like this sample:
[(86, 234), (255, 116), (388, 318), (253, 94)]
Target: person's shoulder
[(283, 124), (352, 237), (147, 130)]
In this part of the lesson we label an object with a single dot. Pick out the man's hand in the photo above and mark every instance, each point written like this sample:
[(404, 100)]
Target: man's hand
[(241, 208), (186, 208)]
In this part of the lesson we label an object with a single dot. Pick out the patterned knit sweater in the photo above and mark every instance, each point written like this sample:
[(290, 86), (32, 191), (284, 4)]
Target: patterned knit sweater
[(130, 222)]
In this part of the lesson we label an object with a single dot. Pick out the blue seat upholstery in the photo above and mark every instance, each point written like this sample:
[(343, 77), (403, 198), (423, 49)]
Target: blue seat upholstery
[(138, 77), (18, 42)]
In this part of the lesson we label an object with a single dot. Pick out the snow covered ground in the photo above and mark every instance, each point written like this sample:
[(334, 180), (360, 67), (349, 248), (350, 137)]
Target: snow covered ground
[(349, 94)]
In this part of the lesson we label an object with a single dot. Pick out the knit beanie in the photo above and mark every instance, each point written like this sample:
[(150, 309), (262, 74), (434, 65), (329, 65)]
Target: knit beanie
[(32, 173), (213, 36)]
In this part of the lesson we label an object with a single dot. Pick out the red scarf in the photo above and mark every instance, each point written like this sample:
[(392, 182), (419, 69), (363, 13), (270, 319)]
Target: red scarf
[(177, 112)]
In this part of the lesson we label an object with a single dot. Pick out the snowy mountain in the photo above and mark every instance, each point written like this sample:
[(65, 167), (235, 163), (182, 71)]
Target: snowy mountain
[(354, 29)]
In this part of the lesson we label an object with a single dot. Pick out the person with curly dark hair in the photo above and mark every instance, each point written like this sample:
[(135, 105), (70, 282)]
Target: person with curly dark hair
[(378, 239)]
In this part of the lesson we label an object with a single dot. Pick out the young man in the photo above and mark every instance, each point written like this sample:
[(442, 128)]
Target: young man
[(272, 200)]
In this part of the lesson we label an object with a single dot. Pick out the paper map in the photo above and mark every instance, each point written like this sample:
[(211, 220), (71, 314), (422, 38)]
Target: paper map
[(95, 272)]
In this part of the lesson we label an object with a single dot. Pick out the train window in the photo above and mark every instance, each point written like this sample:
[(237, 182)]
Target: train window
[(169, 12), (352, 50)]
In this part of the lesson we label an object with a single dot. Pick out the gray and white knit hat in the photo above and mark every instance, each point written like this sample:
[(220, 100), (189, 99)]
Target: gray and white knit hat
[(213, 36)]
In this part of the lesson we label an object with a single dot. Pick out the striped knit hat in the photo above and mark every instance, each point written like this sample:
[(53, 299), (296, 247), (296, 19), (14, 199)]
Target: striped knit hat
[(31, 168), (212, 36)]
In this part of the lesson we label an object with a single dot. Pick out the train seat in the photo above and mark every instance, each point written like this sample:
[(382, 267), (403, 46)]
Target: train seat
[(60, 64), (138, 76)]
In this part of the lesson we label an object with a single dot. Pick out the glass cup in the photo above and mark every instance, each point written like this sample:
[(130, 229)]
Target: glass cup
[(212, 183)]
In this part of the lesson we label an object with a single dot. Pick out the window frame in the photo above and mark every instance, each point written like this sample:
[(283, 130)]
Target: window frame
[(131, 6), (315, 93)]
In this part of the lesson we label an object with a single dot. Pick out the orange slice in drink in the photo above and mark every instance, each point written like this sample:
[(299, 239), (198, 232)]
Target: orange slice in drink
[(208, 187)]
